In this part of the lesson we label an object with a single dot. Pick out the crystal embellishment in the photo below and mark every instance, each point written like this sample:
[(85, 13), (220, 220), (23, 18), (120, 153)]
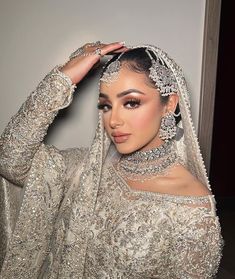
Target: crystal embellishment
[(163, 78), (111, 73), (145, 165)]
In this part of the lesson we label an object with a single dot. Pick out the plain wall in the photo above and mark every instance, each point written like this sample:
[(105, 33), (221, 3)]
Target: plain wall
[(37, 35)]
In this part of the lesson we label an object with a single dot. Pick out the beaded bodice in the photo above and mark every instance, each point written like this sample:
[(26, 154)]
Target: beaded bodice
[(138, 234)]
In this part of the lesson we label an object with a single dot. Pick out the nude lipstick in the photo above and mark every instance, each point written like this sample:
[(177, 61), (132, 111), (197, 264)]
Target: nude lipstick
[(119, 137)]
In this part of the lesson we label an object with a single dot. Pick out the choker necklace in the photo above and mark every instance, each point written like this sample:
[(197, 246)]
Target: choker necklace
[(145, 165)]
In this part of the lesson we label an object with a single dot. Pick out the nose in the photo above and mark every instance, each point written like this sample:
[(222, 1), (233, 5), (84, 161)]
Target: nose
[(115, 119)]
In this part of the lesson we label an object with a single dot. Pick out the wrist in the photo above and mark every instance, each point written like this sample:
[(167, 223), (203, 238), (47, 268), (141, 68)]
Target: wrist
[(66, 74)]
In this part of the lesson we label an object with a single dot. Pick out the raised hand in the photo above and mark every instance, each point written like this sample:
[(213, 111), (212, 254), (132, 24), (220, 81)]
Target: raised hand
[(83, 59)]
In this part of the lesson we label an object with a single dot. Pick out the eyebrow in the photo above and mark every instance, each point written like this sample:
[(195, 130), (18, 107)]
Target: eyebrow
[(121, 94)]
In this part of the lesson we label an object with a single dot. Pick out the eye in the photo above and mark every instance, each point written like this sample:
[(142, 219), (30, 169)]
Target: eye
[(132, 103), (104, 107)]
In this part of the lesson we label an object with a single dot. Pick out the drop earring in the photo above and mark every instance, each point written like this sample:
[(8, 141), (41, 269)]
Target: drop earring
[(168, 127)]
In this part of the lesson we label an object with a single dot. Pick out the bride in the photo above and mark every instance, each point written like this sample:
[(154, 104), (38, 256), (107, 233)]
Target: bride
[(136, 204)]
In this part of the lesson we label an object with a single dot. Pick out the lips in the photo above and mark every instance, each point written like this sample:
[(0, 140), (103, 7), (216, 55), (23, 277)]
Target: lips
[(119, 137)]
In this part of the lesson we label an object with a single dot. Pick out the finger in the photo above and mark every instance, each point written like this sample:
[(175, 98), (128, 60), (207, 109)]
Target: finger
[(106, 49), (123, 49)]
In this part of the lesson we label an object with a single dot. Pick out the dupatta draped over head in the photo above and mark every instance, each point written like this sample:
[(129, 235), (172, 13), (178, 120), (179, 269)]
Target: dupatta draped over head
[(87, 180)]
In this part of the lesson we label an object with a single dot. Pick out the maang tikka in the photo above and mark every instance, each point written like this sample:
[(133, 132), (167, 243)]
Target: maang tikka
[(112, 71)]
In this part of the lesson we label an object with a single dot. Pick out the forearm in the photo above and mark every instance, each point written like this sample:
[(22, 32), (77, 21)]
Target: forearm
[(27, 129)]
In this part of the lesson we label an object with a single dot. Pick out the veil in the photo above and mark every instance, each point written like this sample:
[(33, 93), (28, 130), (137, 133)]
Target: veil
[(87, 180)]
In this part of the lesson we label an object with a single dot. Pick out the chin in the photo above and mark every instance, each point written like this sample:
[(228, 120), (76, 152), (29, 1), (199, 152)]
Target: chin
[(125, 149)]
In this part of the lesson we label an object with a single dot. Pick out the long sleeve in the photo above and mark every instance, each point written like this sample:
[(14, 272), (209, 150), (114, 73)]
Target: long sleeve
[(26, 130), (196, 245)]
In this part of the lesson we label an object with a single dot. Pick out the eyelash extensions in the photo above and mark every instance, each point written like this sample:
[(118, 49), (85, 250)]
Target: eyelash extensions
[(132, 103)]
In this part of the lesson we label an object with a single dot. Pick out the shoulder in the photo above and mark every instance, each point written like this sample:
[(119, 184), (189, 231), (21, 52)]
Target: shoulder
[(178, 182), (187, 184)]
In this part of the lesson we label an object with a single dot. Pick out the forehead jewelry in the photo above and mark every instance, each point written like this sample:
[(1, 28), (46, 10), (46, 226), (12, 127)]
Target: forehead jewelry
[(162, 76), (112, 71)]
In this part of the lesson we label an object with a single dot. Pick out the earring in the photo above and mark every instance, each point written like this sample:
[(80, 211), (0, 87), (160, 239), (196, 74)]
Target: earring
[(168, 127)]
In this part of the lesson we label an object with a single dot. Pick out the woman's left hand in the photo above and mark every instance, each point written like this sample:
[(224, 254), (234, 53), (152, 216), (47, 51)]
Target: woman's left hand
[(86, 57)]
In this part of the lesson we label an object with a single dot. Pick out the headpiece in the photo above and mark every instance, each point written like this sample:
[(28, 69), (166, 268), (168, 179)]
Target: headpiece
[(111, 72), (159, 73), (162, 76)]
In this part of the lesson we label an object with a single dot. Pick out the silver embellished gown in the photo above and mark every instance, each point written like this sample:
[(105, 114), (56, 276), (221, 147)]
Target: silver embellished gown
[(52, 229)]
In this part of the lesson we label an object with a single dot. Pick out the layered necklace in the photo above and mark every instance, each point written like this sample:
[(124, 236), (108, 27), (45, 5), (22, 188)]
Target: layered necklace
[(145, 165)]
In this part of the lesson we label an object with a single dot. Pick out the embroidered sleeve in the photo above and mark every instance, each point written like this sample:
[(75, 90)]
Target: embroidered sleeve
[(26, 130), (196, 247)]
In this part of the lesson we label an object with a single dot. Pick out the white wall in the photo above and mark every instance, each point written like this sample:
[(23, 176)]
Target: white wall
[(36, 35)]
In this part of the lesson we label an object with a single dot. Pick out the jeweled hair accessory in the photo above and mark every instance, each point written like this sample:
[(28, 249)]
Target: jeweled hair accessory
[(162, 76), (112, 71)]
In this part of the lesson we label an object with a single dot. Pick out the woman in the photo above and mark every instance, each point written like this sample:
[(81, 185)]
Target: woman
[(137, 204)]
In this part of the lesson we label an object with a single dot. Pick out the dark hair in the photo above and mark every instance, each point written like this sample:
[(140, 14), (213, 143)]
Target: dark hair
[(138, 60)]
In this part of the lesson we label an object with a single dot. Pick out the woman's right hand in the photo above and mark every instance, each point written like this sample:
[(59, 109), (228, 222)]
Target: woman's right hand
[(77, 67)]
